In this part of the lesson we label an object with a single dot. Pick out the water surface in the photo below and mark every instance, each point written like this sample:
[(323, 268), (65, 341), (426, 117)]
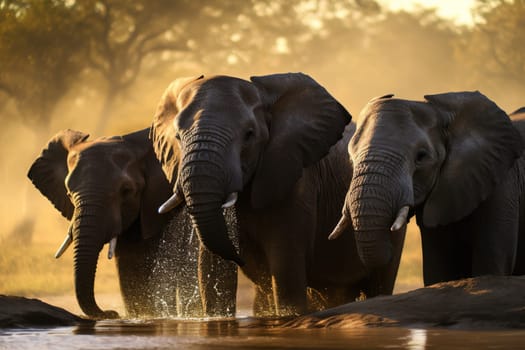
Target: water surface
[(249, 333)]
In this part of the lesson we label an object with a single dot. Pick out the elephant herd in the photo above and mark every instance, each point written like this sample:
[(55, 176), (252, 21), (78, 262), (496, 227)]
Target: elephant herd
[(319, 203)]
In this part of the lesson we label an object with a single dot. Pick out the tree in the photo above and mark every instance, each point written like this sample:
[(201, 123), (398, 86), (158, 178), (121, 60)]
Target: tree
[(494, 52), (40, 43), (124, 33)]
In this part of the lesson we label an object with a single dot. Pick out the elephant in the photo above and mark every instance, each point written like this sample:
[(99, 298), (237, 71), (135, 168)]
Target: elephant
[(455, 162), (274, 148), (518, 120), (110, 188)]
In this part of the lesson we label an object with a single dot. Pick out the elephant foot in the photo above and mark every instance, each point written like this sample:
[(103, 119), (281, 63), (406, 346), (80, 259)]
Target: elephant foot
[(106, 315)]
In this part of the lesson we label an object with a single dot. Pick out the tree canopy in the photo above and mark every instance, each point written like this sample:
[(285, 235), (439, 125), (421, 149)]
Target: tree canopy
[(48, 48), (40, 45)]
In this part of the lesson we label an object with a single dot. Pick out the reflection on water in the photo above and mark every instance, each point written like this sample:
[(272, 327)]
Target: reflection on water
[(417, 339), (248, 333)]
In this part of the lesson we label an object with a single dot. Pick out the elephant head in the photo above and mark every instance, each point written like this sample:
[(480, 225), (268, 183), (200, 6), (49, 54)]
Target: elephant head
[(104, 187), (439, 159), (233, 136)]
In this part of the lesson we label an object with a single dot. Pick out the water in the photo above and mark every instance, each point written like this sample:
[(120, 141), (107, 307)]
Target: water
[(237, 333), (173, 284), (249, 333)]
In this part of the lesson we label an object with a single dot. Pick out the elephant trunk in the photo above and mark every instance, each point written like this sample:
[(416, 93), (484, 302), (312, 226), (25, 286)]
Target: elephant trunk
[(206, 185), (88, 241), (377, 193)]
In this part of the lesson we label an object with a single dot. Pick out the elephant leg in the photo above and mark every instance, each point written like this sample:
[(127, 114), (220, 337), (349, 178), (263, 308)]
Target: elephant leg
[(445, 256), (519, 266), (288, 270), (286, 250), (323, 298), (184, 266), (495, 234), (329, 297), (218, 284), (135, 264), (264, 303)]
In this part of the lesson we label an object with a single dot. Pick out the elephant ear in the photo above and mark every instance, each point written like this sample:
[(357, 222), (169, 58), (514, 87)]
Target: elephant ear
[(156, 189), (49, 170), (482, 145), (518, 111), (163, 131), (382, 97), (304, 122)]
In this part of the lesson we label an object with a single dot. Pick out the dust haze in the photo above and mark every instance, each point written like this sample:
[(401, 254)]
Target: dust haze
[(356, 50)]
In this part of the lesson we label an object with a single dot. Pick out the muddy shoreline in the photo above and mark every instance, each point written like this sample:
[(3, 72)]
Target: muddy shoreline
[(488, 302)]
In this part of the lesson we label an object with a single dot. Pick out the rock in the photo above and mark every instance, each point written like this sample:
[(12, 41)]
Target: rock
[(482, 302), (23, 312)]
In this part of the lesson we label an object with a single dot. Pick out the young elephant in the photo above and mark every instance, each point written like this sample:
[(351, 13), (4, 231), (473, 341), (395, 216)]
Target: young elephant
[(110, 189), (450, 160), (268, 145)]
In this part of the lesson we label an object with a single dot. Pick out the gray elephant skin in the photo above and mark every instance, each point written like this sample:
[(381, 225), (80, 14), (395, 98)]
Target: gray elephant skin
[(110, 188), (454, 162), (518, 120), (275, 147)]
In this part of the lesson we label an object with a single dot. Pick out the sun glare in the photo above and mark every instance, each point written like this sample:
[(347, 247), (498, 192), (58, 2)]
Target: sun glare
[(458, 11)]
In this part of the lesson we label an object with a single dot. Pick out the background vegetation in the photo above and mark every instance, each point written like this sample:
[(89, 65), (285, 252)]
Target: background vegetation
[(100, 66)]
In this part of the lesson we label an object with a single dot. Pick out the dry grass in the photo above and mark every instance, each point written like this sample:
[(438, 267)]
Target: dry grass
[(410, 274), (31, 270)]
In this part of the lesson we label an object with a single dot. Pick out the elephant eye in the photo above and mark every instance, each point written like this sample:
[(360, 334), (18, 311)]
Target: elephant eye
[(248, 135), (421, 156), (126, 191)]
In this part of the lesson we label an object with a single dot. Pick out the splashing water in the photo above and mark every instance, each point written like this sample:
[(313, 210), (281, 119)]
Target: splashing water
[(174, 283)]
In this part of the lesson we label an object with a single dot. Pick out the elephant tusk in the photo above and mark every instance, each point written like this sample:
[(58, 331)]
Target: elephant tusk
[(232, 198), (342, 225), (112, 246), (174, 201), (65, 244), (401, 219)]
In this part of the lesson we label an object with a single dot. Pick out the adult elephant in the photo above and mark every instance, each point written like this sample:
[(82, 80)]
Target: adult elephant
[(110, 189), (518, 120), (452, 160), (267, 146)]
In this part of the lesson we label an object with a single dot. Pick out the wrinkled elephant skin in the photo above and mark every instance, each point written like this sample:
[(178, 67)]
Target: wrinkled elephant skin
[(455, 162), (276, 147), (110, 189)]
